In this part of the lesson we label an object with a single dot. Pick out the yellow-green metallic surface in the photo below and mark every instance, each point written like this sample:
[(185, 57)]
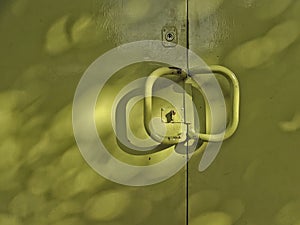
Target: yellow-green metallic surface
[(47, 45), (255, 178), (45, 49)]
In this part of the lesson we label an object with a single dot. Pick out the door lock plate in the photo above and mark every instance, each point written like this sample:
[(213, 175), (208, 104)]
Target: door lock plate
[(169, 36)]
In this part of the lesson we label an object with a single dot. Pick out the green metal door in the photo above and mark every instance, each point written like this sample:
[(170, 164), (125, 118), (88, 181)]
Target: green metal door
[(50, 49), (46, 46), (254, 179)]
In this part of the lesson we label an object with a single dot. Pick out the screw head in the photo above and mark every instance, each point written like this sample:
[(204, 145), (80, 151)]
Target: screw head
[(170, 36)]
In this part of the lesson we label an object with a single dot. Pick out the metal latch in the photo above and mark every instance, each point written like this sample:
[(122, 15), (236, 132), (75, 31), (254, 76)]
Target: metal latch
[(175, 133)]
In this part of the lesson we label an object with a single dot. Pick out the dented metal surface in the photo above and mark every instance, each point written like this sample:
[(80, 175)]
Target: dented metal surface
[(46, 47)]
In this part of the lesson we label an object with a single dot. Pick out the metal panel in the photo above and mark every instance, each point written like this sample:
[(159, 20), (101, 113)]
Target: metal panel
[(253, 179), (46, 46)]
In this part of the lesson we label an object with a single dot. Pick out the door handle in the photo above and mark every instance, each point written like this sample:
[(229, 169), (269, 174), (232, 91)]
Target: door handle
[(148, 102), (235, 99)]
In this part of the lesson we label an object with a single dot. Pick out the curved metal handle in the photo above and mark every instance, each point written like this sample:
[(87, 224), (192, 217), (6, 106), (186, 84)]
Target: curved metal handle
[(233, 124), (235, 96), (148, 99)]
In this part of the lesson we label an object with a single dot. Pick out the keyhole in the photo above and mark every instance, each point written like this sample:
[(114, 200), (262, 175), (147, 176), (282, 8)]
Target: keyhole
[(169, 116), (170, 36)]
